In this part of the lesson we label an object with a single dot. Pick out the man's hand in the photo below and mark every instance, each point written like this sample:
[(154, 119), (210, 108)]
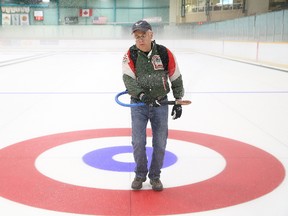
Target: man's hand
[(176, 111), (149, 101), (144, 98), (155, 103)]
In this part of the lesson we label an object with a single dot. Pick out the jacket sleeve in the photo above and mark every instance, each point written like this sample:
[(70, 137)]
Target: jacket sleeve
[(129, 76), (175, 76)]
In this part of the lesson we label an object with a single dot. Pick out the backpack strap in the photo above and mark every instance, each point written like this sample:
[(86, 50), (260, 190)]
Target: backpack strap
[(162, 51), (133, 54)]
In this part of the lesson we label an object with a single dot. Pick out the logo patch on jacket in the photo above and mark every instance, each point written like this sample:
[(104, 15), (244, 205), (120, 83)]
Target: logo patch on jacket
[(157, 63), (126, 58)]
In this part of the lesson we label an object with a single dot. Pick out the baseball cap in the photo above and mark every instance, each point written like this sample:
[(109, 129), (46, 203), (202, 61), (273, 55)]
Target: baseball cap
[(141, 25)]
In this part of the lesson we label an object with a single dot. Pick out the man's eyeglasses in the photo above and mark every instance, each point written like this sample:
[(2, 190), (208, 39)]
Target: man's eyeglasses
[(140, 37)]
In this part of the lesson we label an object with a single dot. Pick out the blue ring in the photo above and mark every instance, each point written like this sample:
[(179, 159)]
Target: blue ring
[(103, 159), (124, 104)]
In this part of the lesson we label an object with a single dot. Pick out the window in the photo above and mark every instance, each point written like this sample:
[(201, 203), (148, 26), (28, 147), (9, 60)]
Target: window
[(278, 4), (192, 6)]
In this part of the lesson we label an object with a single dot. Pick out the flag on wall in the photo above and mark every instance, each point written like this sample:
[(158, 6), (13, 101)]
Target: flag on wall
[(6, 19), (85, 12), (15, 19), (38, 15), (24, 19)]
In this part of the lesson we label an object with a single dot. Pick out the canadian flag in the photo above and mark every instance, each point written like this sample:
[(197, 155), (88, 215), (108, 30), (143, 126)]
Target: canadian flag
[(85, 12)]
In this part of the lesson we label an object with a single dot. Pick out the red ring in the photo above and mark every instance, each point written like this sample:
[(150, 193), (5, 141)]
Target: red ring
[(249, 174)]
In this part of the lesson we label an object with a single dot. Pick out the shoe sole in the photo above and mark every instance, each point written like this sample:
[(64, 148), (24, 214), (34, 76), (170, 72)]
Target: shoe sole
[(157, 189), (136, 188)]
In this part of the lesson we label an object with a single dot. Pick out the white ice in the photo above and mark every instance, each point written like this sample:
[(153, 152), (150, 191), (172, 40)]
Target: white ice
[(73, 90)]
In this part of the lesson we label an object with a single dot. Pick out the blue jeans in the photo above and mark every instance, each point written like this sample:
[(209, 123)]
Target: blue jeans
[(158, 117)]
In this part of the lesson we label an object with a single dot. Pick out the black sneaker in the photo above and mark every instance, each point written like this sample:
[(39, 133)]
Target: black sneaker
[(156, 184), (137, 183)]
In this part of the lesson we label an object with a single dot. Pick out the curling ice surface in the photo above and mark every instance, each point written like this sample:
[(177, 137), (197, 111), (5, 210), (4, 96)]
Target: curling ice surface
[(75, 90)]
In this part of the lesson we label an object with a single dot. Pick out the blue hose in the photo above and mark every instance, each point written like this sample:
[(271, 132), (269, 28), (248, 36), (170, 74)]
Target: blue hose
[(124, 104)]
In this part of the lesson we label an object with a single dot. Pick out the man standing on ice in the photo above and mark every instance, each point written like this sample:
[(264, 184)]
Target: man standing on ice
[(148, 68)]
